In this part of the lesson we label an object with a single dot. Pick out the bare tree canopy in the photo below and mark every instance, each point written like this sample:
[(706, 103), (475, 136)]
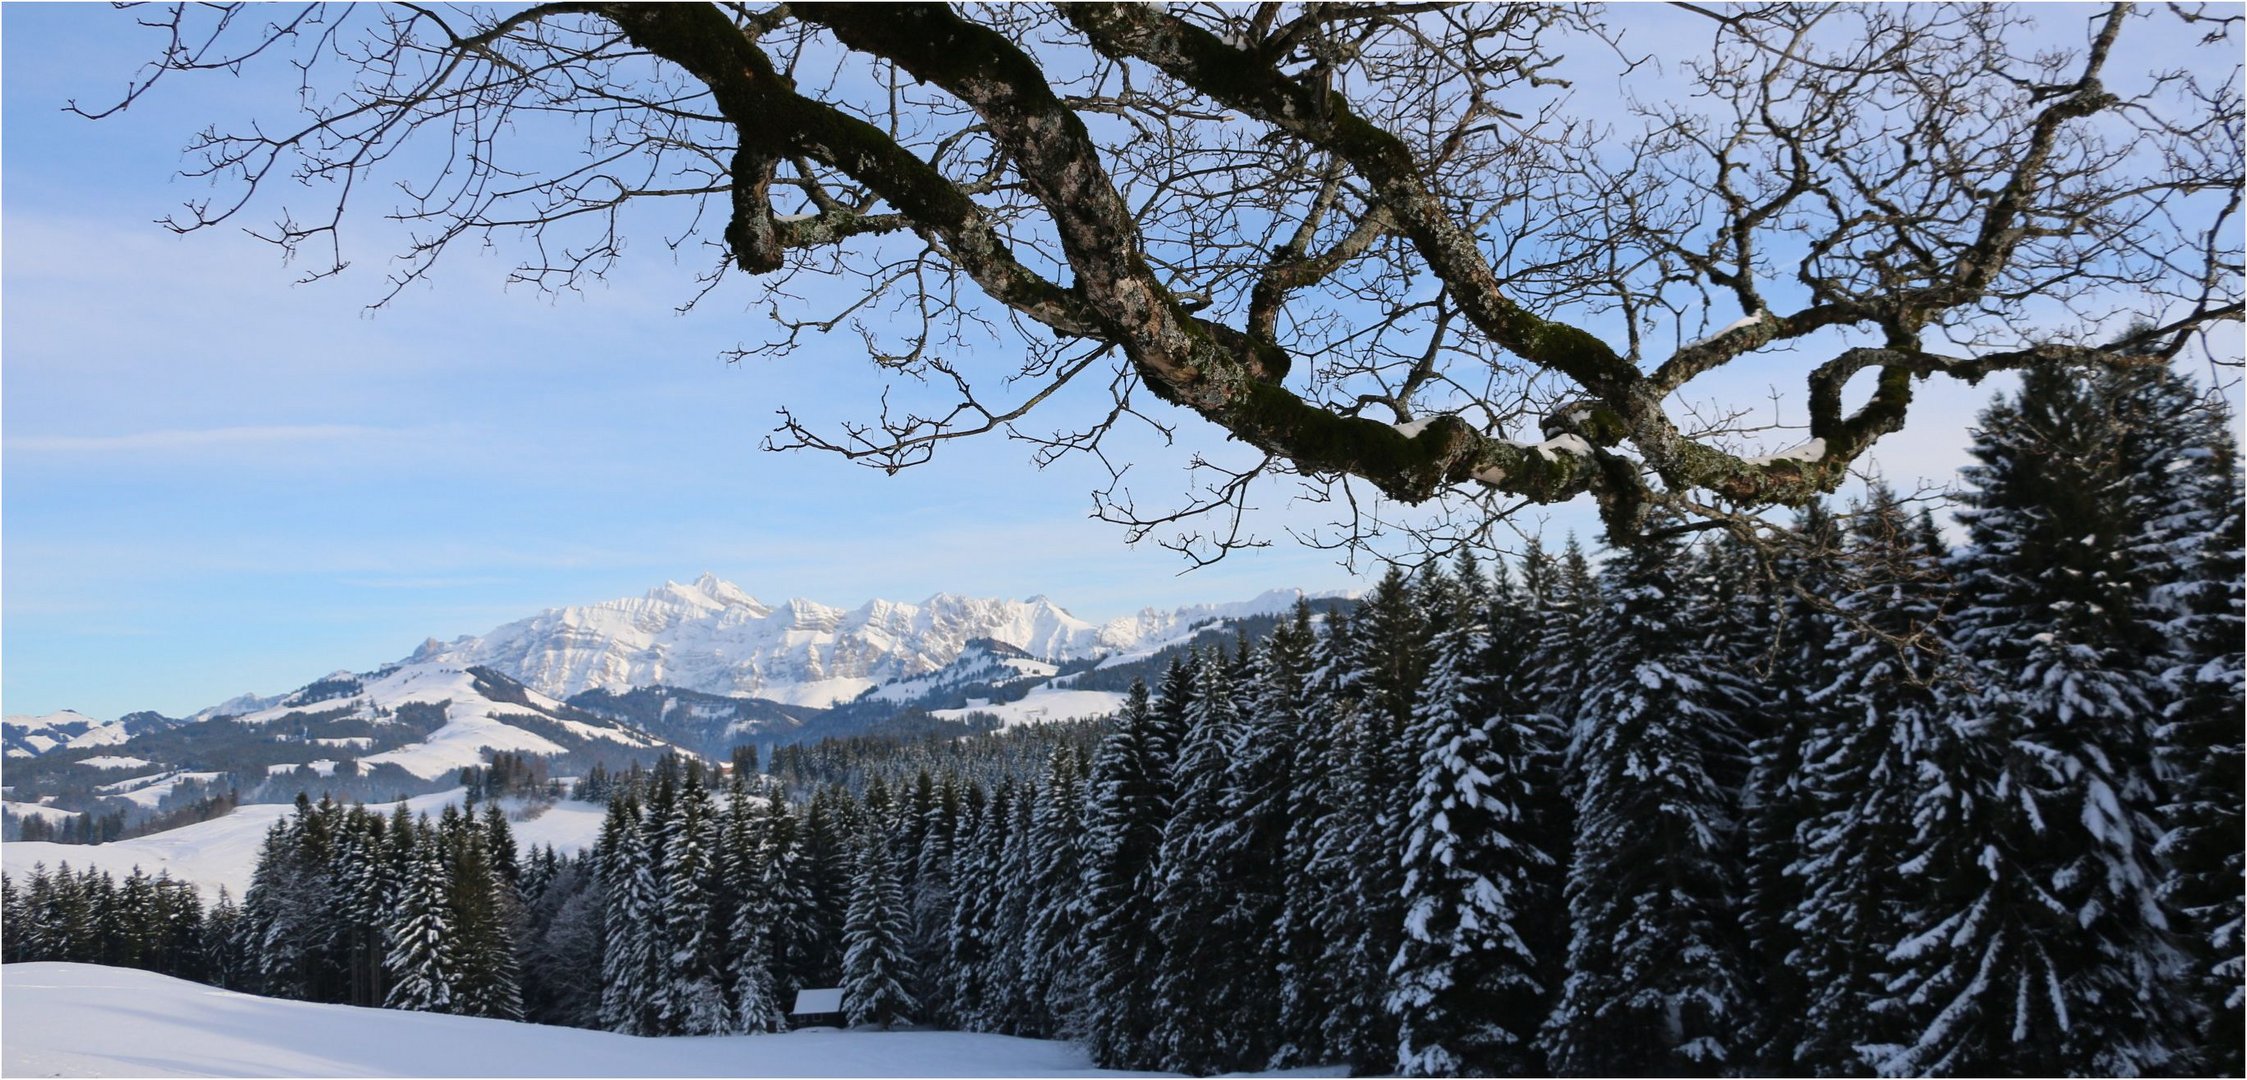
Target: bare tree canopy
[(1406, 247)]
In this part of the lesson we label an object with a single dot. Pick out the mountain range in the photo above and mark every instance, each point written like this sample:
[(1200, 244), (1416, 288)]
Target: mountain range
[(700, 667), (713, 638)]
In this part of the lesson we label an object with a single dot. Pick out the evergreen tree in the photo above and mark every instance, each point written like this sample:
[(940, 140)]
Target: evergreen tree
[(1364, 920), (422, 963), (874, 960), (2044, 949), (1864, 764), (629, 963), (1196, 985), (1252, 838), (690, 998), (1657, 981), (970, 944), (1465, 989), (932, 896), (1053, 976), (2185, 513), (767, 912), (1775, 801), (487, 978), (1124, 829), (1314, 871)]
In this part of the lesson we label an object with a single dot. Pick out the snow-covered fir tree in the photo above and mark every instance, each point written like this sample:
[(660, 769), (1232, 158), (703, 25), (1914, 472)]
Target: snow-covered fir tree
[(1053, 961), (2043, 948), (422, 963), (1196, 983), (1863, 765), (1465, 989), (629, 962), (690, 997), (2184, 509), (1252, 837), (1657, 982), (874, 960), (485, 980), (1123, 822), (1774, 801), (768, 904)]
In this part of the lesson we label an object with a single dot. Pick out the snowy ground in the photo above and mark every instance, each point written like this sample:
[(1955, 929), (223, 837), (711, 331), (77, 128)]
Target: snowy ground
[(223, 851), (1042, 704), (83, 1020)]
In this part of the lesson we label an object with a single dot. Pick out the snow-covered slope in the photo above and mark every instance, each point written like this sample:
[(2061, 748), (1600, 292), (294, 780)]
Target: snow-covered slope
[(983, 662), (83, 1020), (223, 851), (1041, 705), (31, 736), (713, 637), (479, 715), (48, 814)]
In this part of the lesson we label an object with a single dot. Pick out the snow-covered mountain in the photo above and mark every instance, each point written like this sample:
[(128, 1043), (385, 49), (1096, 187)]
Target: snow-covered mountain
[(703, 668), (714, 638)]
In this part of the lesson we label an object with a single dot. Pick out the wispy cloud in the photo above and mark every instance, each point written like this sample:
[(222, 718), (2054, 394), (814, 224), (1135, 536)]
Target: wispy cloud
[(425, 582), (193, 439)]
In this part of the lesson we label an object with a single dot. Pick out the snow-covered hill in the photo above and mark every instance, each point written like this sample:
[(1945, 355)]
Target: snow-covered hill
[(31, 736), (84, 1020), (480, 714), (712, 637), (223, 851)]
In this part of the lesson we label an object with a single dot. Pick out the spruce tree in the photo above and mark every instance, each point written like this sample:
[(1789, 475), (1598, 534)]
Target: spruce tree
[(1657, 982), (2201, 740), (1252, 838), (1465, 989), (974, 928), (1312, 864), (1124, 829), (874, 957), (423, 967), (1863, 764), (1775, 801), (2043, 949), (768, 911), (629, 962), (1195, 986), (1053, 976), (2185, 513), (487, 978), (690, 997)]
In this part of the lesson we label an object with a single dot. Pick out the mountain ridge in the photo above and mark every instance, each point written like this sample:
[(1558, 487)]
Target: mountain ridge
[(711, 636)]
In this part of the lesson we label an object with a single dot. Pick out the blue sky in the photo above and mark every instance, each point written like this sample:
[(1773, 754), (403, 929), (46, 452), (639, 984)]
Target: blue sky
[(218, 481)]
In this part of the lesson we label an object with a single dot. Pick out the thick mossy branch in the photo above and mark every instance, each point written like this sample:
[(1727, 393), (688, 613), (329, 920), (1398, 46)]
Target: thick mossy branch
[(1245, 81), (770, 115), (1615, 441)]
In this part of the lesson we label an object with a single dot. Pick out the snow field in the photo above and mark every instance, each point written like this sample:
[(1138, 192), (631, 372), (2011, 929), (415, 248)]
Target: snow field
[(86, 1020), (223, 851)]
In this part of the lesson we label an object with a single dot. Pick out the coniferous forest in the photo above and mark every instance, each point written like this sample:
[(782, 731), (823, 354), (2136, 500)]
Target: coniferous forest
[(1884, 805)]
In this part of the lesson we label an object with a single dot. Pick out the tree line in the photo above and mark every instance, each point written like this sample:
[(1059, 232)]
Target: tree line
[(1881, 807)]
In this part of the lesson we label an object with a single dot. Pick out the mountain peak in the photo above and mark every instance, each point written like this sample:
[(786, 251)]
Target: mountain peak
[(723, 591), (712, 637)]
